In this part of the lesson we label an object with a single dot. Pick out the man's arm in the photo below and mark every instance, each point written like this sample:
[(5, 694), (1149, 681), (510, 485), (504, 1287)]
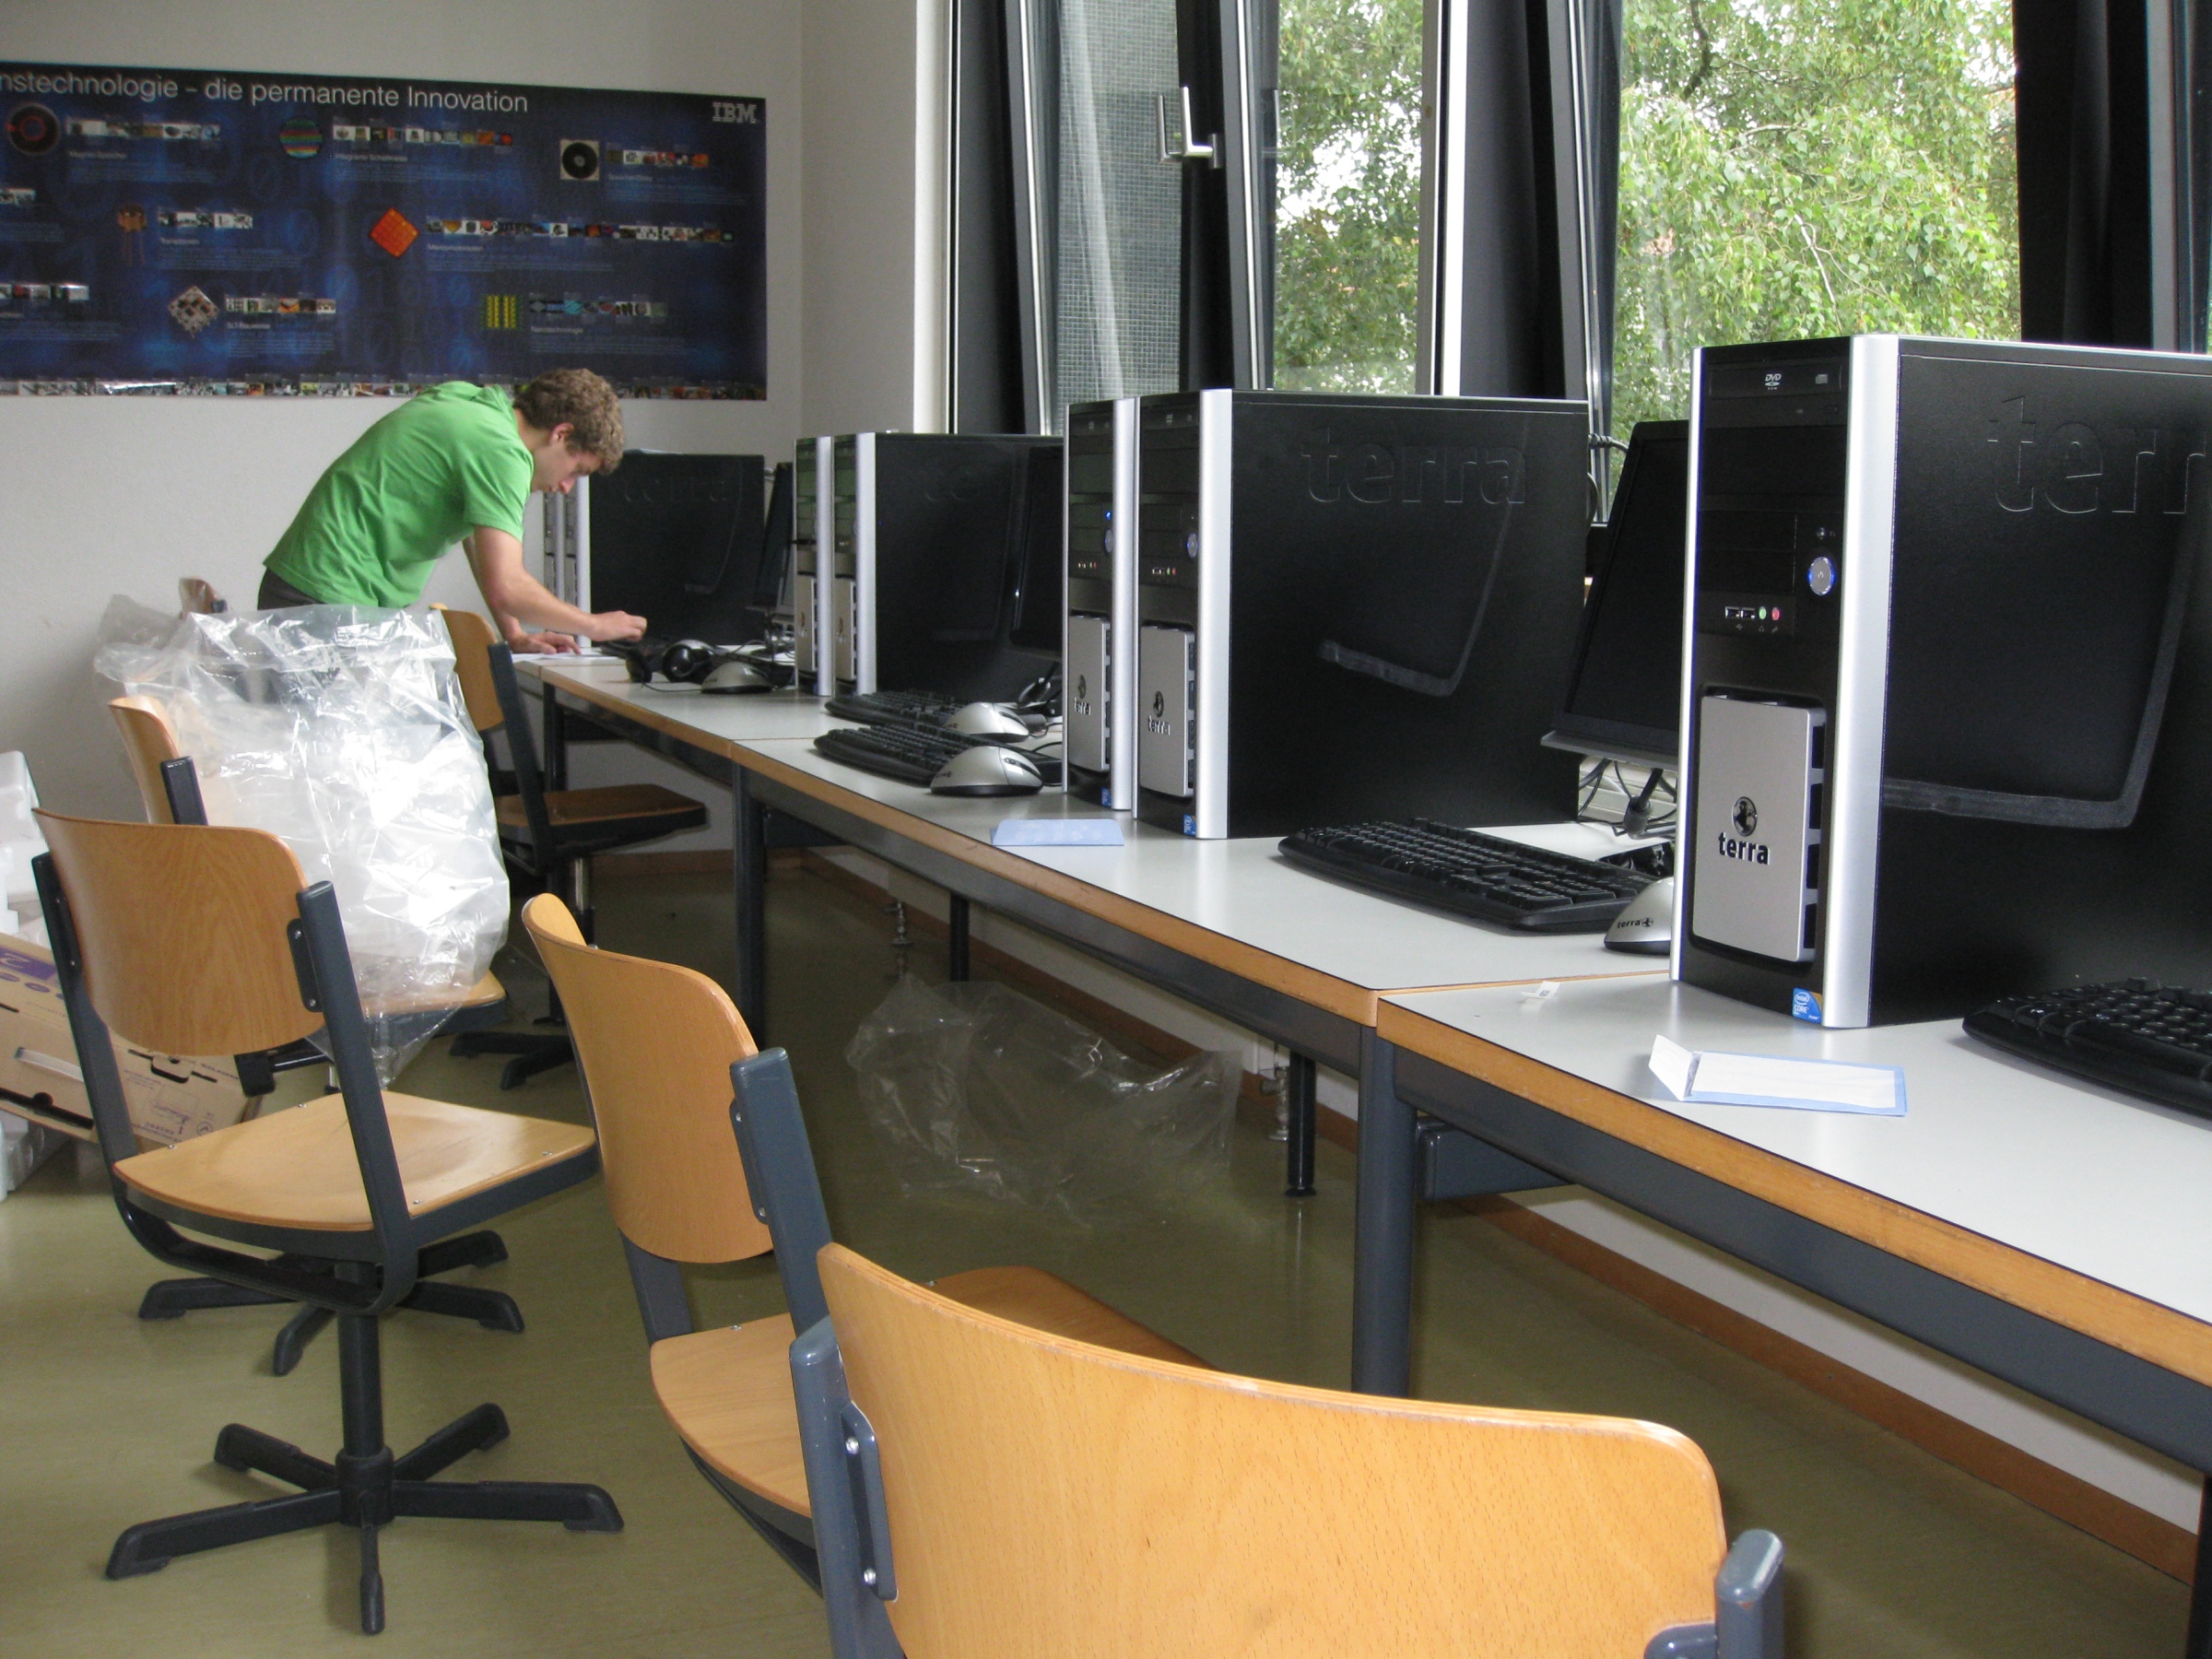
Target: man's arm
[(516, 597)]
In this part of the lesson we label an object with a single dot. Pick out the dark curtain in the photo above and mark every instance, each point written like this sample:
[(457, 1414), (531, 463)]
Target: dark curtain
[(1208, 353), (2082, 103), (986, 310)]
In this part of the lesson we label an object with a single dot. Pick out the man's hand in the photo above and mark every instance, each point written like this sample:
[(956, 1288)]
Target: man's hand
[(543, 644), (515, 595), (615, 625)]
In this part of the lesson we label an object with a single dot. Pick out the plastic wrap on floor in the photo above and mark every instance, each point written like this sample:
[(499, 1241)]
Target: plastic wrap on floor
[(977, 1089)]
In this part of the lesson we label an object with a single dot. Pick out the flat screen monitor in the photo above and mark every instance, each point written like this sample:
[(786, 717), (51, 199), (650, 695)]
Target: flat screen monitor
[(675, 538), (1040, 563), (1624, 695), (775, 543)]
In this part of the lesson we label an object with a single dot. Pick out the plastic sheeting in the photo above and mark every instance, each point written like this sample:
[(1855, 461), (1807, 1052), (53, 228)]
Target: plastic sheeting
[(342, 730), (977, 1089)]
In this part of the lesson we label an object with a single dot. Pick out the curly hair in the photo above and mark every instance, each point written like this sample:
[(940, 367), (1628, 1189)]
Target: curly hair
[(586, 403)]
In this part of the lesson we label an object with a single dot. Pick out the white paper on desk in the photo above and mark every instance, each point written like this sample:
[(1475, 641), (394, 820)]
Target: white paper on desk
[(1778, 1080), (566, 656), (1057, 832)]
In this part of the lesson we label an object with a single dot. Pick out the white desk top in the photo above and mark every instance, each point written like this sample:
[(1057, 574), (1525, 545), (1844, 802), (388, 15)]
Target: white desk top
[(717, 721), (2098, 1182), (1245, 892)]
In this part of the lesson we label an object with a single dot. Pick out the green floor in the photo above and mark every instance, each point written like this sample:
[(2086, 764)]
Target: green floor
[(111, 1421)]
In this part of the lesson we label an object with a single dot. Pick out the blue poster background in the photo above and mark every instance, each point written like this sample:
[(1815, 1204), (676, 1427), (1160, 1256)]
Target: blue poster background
[(206, 231)]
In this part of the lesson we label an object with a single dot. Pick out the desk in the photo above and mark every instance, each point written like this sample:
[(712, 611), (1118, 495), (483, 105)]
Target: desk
[(1228, 926), (2051, 1234)]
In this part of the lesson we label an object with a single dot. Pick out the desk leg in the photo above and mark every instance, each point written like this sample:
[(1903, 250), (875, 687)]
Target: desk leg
[(750, 880), (2199, 1645), (956, 936), (1383, 1228), (1297, 1097)]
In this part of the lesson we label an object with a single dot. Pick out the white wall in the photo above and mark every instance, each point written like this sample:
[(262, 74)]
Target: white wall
[(875, 249), (101, 496)]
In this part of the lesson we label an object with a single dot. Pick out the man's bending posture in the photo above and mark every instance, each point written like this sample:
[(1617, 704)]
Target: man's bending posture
[(454, 464)]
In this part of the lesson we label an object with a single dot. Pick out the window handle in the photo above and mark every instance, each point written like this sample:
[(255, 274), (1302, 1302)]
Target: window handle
[(1188, 149)]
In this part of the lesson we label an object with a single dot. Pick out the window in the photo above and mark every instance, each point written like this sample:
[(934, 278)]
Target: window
[(1347, 203), (1810, 167)]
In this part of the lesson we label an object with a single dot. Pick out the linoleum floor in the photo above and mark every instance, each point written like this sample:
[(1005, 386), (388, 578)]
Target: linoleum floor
[(1893, 1554)]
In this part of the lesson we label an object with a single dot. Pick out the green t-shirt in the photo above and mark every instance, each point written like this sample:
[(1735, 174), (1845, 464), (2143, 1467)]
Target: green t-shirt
[(441, 464)]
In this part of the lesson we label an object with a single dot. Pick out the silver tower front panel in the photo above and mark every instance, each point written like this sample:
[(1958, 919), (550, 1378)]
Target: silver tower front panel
[(1098, 647), (810, 536)]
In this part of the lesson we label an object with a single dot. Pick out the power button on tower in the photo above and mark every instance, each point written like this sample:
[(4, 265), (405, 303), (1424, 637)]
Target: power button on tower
[(1820, 576)]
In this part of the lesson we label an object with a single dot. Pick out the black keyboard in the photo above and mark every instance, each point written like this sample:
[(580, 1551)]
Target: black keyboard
[(894, 707), (2135, 1035), (1475, 874), (910, 754)]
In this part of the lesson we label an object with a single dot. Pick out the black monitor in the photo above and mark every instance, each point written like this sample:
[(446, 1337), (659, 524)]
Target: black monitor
[(775, 543), (1624, 695), (675, 538), (1033, 619)]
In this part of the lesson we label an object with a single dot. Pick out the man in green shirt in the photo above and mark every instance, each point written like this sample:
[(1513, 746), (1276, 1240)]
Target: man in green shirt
[(454, 464)]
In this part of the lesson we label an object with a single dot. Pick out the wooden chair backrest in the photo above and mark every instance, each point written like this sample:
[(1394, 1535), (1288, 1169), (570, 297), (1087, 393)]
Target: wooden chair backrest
[(147, 740), (655, 1043), (473, 640), (1048, 1496), (181, 929), (198, 597)]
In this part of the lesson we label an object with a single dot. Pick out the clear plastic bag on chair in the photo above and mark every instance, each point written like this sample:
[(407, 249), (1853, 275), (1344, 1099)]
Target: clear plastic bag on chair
[(978, 1089), (342, 730)]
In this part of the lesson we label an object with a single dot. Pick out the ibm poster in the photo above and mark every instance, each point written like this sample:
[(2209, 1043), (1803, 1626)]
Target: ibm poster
[(190, 231)]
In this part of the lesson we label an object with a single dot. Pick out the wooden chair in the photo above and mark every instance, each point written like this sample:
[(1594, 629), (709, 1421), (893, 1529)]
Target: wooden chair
[(548, 836), (169, 789), (655, 1043), (1006, 1491), (196, 940), (197, 595)]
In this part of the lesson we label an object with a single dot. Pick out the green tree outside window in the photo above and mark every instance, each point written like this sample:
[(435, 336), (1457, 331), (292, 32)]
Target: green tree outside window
[(1789, 169)]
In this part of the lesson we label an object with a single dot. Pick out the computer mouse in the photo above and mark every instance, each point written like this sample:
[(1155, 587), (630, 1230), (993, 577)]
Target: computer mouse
[(989, 768), (1647, 926), (732, 676), (985, 720)]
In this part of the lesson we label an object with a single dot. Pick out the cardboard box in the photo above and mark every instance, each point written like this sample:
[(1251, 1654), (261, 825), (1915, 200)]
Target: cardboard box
[(171, 1098)]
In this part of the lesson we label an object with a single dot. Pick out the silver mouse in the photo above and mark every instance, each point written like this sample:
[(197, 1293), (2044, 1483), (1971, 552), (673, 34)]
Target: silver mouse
[(1647, 926), (732, 676), (989, 768), (985, 720)]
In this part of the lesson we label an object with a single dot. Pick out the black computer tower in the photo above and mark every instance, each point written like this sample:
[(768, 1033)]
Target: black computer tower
[(1355, 607), (944, 562), (673, 538), (1947, 712)]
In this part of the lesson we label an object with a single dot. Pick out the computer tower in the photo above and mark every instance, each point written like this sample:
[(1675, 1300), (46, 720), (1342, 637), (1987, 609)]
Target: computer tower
[(1355, 607), (1099, 653), (939, 546), (674, 539), (809, 534), (1947, 708)]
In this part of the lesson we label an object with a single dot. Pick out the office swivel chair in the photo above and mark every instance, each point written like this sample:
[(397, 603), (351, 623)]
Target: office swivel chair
[(1022, 1490), (548, 836), (168, 787), (656, 1044), (195, 940)]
